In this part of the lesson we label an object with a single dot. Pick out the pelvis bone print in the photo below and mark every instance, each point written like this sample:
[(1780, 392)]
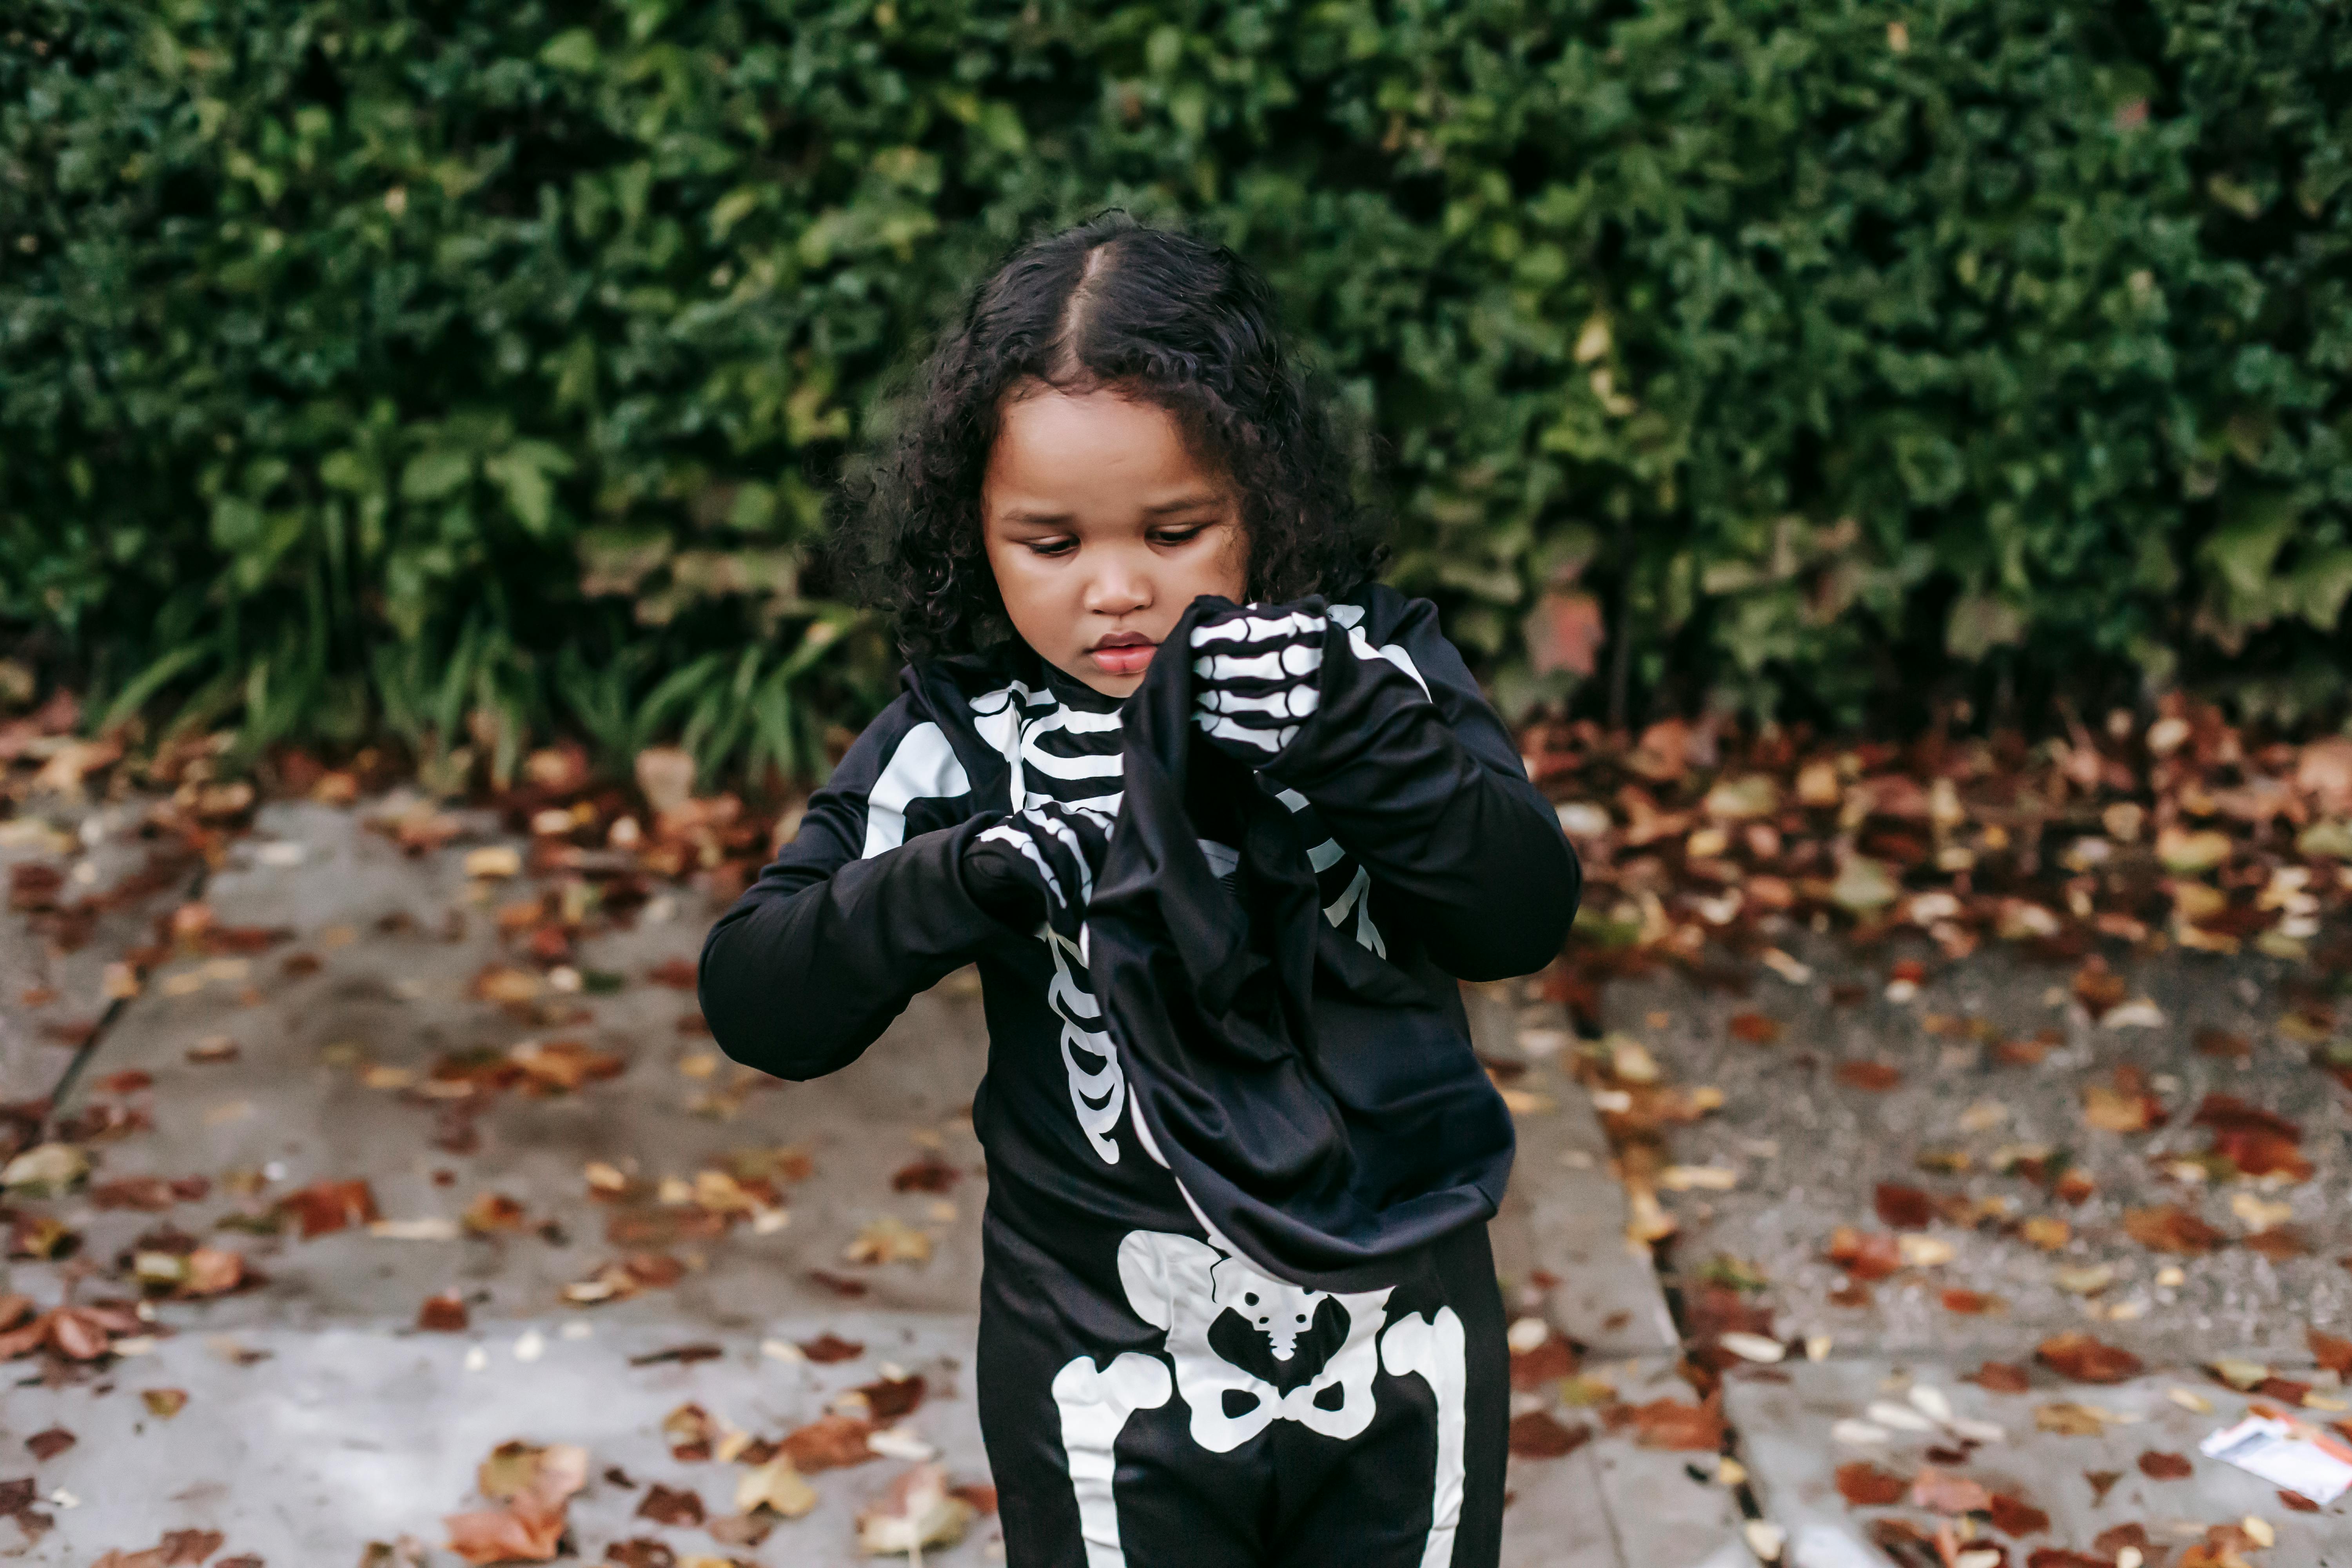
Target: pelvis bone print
[(1184, 1286)]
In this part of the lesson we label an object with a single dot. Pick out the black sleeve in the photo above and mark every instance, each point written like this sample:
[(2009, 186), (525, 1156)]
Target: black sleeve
[(1416, 776), (867, 905)]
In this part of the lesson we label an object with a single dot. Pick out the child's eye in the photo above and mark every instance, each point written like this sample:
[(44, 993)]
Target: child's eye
[(1173, 536), (1052, 547)]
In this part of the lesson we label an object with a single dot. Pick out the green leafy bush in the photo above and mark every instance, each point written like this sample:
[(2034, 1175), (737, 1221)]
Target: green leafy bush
[(483, 368)]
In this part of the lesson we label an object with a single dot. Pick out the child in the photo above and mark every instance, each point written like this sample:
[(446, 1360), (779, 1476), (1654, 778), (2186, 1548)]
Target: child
[(1237, 1303)]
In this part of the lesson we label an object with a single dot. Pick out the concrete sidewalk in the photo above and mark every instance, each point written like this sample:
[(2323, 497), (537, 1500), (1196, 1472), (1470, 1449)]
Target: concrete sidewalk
[(395, 1037)]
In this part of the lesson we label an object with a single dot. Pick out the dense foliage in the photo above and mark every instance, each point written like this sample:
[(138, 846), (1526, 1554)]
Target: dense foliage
[(484, 367)]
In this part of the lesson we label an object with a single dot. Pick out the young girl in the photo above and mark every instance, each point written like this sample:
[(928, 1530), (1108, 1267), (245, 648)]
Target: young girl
[(1237, 1303)]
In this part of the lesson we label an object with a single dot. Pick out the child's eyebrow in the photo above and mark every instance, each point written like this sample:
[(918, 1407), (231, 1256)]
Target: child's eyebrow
[(1186, 503)]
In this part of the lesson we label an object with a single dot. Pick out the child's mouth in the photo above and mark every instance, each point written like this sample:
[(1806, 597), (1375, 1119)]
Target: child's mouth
[(1122, 653)]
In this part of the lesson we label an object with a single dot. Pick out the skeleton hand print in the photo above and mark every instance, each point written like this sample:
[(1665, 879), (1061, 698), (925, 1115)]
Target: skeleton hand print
[(1257, 676)]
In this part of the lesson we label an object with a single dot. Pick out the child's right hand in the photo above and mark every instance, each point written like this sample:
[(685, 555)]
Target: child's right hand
[(1041, 860)]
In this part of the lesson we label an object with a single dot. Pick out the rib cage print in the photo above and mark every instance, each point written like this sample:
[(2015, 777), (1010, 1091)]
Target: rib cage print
[(1061, 741)]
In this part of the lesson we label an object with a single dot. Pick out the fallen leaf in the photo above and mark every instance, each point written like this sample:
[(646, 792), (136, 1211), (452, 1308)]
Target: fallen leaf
[(2001, 1377), (776, 1487), (1864, 1254), (929, 1174), (1905, 1208), (828, 1443), (2158, 1467), (827, 1348), (2067, 1419), (48, 1443), (1537, 1434), (164, 1402), (1755, 1028), (1866, 1485), (2078, 1356), (1972, 1303), (1874, 1077), (2171, 1228), (528, 1531), (889, 1241), (688, 1432), (1942, 1492), (2015, 1516), (2331, 1353), (443, 1314), (189, 1545), (1672, 1425), (917, 1512), (330, 1205), (670, 1505)]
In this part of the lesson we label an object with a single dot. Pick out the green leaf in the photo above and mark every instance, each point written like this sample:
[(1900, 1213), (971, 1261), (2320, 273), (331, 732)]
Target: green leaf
[(574, 51), (2258, 523), (432, 475)]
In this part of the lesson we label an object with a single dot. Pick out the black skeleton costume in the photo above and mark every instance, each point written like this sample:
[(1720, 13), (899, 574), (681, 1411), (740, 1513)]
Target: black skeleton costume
[(1237, 1305)]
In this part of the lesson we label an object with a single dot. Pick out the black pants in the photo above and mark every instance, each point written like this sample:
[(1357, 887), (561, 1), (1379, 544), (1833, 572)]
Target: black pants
[(1158, 1402)]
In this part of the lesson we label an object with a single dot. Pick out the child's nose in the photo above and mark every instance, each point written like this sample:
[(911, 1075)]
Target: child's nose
[(1118, 589)]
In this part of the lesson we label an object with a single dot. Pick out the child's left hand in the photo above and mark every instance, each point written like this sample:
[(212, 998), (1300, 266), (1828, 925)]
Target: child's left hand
[(1257, 669), (1061, 847)]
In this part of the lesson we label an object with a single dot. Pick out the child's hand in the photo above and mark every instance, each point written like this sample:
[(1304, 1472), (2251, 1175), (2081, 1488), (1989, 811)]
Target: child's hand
[(1257, 670), (1052, 850)]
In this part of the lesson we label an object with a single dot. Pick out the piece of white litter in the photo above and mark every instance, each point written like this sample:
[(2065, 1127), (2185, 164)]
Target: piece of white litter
[(1791, 970), (433, 1227), (65, 1499), (1858, 1432), (530, 1345), (476, 1357), (1931, 1402), (1901, 1417), (2291, 1454), (1753, 1347), (782, 1350), (577, 1329), (136, 1344), (1765, 1538), (891, 1369), (284, 852), (897, 1443), (2139, 1013), (1979, 1431), (1818, 1346)]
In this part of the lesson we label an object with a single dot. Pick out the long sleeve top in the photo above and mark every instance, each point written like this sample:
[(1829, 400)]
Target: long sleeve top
[(1400, 812)]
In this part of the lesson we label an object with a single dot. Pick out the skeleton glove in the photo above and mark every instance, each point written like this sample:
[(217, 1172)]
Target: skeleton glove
[(1257, 672), (1045, 855)]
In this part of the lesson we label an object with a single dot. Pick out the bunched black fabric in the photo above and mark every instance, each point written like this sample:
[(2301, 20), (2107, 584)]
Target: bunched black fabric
[(1318, 1106)]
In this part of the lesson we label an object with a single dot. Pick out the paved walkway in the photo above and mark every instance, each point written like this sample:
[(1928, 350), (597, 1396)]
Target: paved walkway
[(519, 1141)]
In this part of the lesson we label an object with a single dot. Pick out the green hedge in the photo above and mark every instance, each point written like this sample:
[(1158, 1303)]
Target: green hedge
[(473, 367)]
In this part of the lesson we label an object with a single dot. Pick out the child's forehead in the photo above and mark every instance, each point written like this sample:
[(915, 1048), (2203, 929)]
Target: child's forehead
[(1058, 451)]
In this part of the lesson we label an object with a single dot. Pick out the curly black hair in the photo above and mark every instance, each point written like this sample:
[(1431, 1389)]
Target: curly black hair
[(1154, 314)]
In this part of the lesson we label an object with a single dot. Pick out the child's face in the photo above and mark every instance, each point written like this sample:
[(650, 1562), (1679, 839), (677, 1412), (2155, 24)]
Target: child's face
[(1102, 529)]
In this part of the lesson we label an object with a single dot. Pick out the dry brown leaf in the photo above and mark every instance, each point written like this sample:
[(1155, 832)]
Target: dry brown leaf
[(1537, 1434), (2078, 1356), (1865, 1485), (828, 1443), (2171, 1228)]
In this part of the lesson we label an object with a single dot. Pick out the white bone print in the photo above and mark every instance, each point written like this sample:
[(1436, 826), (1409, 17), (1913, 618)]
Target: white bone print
[(1095, 1406), (1183, 1285), (1434, 1349)]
